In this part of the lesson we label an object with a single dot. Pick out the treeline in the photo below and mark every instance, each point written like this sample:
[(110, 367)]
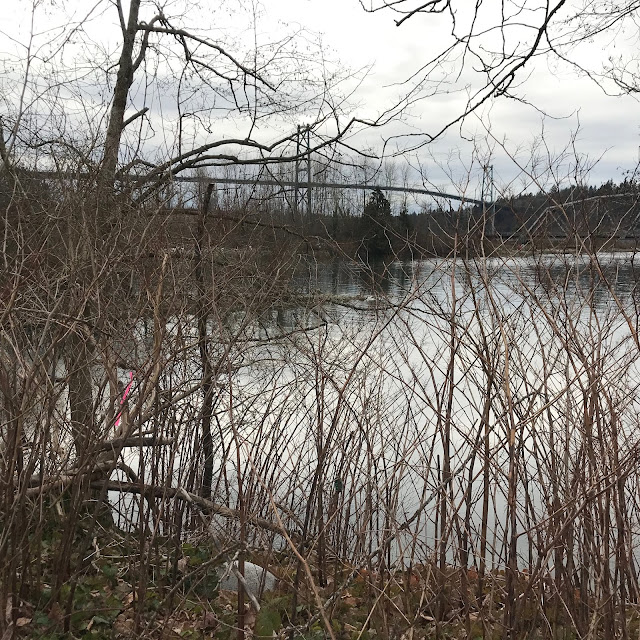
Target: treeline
[(577, 210), (607, 212), (377, 231), (374, 222), (367, 223)]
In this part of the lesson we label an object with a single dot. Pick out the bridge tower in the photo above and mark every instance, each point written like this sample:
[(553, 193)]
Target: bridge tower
[(302, 197), (488, 192)]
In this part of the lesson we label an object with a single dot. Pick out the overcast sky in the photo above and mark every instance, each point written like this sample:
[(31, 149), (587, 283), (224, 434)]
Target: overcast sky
[(568, 121), (575, 115)]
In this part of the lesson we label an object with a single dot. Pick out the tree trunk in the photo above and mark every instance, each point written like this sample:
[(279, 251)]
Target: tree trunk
[(124, 81)]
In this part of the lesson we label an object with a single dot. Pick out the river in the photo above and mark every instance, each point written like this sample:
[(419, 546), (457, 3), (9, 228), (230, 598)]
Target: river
[(432, 407)]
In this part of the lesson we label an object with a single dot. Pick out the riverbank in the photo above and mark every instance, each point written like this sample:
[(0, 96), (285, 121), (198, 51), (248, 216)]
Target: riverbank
[(170, 589)]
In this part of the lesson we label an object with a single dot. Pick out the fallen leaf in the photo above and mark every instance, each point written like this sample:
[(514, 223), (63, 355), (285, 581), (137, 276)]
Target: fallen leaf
[(210, 620), (250, 619), (22, 622), (123, 624), (56, 614)]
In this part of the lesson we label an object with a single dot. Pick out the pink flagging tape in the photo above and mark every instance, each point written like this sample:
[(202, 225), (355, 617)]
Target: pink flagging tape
[(124, 396)]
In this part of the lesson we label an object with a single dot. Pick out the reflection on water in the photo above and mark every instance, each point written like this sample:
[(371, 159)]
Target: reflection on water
[(599, 276)]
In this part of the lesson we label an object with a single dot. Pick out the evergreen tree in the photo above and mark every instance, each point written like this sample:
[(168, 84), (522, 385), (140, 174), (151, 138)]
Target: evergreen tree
[(376, 221)]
